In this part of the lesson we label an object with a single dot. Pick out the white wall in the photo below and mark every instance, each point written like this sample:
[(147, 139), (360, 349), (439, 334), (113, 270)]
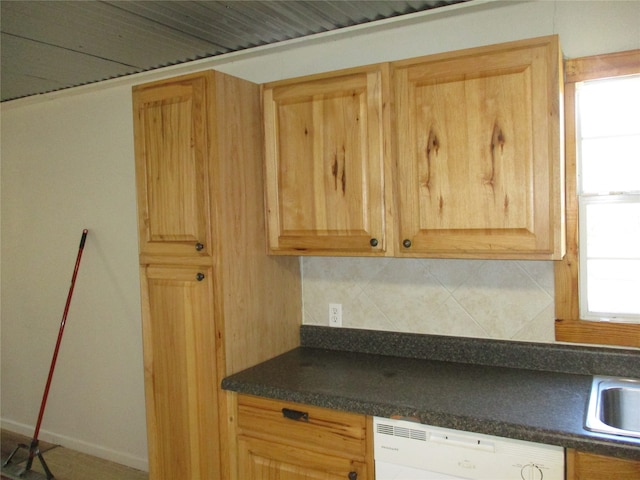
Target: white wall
[(67, 164)]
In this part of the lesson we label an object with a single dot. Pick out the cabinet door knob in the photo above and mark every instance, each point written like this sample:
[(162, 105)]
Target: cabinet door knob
[(406, 243), (373, 242), (200, 276), (353, 475), (199, 246)]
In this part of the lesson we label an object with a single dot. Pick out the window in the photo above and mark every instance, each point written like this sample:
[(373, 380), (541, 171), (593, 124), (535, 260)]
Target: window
[(598, 194), (608, 148)]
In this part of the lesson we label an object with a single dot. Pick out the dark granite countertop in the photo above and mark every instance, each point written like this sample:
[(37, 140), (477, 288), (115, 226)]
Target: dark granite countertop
[(526, 391)]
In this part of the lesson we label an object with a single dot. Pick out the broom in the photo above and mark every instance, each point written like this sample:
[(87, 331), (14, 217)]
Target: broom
[(12, 470)]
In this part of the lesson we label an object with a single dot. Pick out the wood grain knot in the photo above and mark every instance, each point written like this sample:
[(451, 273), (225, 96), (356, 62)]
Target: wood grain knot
[(335, 171), (497, 142), (431, 151)]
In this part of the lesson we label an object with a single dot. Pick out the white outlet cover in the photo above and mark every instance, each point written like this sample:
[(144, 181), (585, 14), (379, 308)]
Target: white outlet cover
[(335, 314)]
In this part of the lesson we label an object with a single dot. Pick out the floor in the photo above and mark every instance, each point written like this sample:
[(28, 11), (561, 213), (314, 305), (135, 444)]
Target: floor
[(65, 464)]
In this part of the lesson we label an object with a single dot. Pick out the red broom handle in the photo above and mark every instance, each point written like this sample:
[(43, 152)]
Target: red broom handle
[(62, 323)]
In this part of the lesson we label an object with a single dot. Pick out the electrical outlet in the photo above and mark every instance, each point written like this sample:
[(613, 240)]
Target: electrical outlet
[(335, 314)]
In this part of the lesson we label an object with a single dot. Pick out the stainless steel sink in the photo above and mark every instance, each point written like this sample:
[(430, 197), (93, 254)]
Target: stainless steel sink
[(614, 406)]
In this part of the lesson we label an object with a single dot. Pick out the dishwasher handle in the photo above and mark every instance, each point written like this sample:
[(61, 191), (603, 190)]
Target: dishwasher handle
[(463, 441)]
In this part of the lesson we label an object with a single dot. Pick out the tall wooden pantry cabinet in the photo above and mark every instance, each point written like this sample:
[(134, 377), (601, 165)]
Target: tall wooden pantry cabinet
[(213, 302)]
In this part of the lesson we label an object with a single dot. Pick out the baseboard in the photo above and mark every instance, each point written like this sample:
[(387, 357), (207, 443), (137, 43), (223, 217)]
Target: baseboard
[(78, 445)]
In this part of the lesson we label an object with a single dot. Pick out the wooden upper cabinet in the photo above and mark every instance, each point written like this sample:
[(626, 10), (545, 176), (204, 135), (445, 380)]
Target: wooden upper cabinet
[(324, 164), (478, 144), (455, 155), (170, 125)]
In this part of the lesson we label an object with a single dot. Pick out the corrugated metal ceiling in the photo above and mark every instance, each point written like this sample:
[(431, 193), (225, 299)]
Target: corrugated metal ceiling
[(52, 45)]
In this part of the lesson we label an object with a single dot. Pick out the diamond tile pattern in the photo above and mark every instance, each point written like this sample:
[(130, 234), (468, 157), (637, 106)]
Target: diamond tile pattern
[(508, 300)]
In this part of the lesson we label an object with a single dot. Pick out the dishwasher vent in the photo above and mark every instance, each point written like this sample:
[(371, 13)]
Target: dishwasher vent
[(404, 432)]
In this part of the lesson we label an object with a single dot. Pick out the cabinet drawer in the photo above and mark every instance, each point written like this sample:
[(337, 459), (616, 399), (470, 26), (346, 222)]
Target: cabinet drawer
[(317, 428)]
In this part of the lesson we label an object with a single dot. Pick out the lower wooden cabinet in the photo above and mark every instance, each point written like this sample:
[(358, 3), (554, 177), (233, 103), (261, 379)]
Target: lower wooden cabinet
[(290, 441), (588, 466), (266, 460), (279, 440)]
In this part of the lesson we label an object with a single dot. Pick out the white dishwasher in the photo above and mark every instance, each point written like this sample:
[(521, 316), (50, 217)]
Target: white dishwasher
[(406, 450)]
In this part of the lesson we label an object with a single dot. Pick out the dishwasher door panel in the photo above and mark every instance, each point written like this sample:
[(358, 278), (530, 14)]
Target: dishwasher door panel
[(390, 471)]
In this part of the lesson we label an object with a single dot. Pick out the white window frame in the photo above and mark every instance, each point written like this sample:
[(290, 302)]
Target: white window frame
[(584, 200), (586, 313)]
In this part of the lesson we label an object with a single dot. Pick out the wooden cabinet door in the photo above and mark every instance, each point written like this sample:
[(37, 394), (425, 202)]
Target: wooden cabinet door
[(588, 466), (170, 124), (324, 164), (478, 149), (261, 460), (180, 379)]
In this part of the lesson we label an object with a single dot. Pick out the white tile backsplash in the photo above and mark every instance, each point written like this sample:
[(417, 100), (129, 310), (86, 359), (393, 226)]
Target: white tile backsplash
[(508, 300)]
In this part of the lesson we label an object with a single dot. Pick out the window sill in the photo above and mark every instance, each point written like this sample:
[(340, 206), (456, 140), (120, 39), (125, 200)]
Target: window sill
[(601, 333)]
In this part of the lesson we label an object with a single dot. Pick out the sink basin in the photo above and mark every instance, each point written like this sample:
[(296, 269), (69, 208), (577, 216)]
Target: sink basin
[(614, 406)]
